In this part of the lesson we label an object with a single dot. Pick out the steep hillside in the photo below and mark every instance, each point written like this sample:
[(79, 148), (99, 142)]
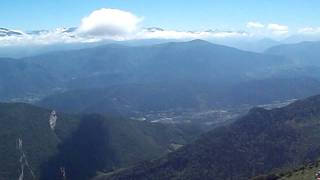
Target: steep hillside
[(259, 142), (305, 172), (302, 173), (38, 142), (30, 126)]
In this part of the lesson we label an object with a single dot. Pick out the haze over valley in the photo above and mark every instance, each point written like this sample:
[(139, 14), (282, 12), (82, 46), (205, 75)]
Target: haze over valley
[(115, 91)]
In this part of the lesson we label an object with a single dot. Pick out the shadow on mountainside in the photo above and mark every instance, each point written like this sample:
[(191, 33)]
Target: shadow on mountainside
[(79, 157)]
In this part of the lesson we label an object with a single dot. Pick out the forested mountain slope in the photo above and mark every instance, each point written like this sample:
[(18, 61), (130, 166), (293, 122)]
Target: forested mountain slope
[(259, 142), (41, 141)]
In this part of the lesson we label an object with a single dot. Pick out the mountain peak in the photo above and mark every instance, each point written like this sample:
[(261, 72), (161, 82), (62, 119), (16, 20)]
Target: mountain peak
[(154, 29), (199, 41), (8, 32)]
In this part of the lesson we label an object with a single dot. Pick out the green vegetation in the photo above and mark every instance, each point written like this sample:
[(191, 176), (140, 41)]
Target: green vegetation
[(306, 172), (302, 173), (39, 142)]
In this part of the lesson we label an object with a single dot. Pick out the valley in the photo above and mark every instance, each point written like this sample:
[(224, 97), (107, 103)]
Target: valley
[(211, 117)]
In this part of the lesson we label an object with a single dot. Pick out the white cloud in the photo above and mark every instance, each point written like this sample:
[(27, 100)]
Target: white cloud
[(278, 29), (112, 23), (43, 37), (115, 24), (309, 30), (255, 25), (172, 34), (63, 35)]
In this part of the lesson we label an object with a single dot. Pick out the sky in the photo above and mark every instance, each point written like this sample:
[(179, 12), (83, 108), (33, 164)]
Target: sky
[(126, 19), (169, 14)]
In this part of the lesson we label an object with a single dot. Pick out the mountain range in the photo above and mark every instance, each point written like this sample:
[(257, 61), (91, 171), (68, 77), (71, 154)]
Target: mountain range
[(95, 90), (132, 81), (104, 66)]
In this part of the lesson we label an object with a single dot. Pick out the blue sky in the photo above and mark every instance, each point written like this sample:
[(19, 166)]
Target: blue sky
[(169, 14)]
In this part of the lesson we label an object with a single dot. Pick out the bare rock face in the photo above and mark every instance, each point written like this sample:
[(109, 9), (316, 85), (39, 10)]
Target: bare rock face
[(53, 120), (24, 164)]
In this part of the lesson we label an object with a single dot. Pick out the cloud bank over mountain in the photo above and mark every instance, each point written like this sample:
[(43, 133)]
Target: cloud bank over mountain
[(116, 24)]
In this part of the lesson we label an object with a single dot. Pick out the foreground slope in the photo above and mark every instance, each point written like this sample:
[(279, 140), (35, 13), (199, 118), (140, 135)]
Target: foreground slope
[(29, 144), (304, 172), (257, 143)]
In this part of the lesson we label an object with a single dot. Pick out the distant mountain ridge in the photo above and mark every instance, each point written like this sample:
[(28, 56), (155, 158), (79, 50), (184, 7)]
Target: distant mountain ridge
[(304, 53), (103, 66)]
